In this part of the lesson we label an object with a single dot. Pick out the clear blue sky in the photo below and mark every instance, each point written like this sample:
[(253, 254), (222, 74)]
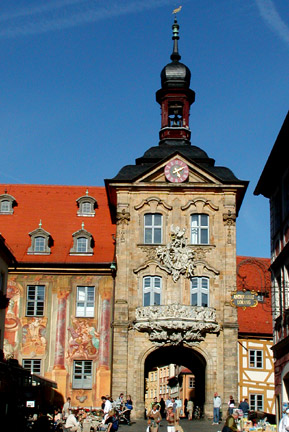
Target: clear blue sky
[(78, 83)]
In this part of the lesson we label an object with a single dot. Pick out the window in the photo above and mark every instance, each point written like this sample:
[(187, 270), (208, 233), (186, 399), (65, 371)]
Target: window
[(35, 300), (256, 359), (40, 240), (81, 244), (86, 205), (5, 206), (39, 245), (152, 287), (199, 229), (191, 382), (34, 366), (7, 202), (256, 402), (82, 374), (85, 301), (152, 228), (200, 291)]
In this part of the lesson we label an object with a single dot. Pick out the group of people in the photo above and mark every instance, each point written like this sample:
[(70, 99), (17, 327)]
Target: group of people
[(111, 410), (170, 410), (217, 403)]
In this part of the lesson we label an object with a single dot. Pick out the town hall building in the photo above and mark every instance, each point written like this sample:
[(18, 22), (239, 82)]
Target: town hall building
[(130, 277)]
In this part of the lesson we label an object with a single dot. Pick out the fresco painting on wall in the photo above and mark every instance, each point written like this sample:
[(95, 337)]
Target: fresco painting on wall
[(12, 321), (33, 336), (83, 341)]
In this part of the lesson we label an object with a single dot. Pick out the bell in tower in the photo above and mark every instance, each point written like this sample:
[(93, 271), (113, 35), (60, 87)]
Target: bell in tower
[(175, 98)]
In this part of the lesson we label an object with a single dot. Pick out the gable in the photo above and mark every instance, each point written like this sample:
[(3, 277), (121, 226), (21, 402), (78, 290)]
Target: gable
[(196, 173)]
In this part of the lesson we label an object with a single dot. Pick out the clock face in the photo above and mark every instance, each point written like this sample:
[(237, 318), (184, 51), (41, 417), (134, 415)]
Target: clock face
[(176, 171)]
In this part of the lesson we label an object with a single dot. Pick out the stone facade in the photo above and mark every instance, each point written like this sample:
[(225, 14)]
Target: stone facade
[(133, 341)]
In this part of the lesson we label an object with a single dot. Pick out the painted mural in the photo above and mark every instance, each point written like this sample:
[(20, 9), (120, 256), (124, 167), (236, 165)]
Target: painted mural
[(83, 341), (12, 320), (34, 336)]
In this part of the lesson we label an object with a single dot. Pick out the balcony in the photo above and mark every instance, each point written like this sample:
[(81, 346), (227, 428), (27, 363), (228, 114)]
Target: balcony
[(176, 324)]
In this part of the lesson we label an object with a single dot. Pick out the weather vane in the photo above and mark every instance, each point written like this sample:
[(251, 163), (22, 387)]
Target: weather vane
[(175, 11)]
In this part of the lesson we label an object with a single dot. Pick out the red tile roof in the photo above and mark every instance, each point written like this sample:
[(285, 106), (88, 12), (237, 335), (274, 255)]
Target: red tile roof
[(57, 208), (253, 274)]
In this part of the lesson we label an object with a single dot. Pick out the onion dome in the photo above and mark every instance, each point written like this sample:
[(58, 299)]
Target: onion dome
[(175, 74)]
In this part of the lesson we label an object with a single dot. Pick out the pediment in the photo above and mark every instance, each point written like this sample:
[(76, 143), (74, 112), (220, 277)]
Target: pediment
[(196, 175)]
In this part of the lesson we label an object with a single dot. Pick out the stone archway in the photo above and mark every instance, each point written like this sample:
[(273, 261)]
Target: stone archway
[(181, 356)]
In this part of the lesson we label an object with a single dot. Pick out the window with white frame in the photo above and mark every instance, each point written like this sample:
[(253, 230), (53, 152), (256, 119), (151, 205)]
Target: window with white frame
[(7, 202), (191, 382), (81, 244), (200, 291), (39, 244), (199, 229), (33, 365), (256, 402), (5, 206), (82, 374), (35, 300), (153, 228), (152, 288), (86, 205), (256, 359), (85, 298)]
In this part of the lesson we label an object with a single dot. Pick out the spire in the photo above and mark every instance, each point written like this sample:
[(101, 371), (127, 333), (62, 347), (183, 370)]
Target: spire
[(175, 54)]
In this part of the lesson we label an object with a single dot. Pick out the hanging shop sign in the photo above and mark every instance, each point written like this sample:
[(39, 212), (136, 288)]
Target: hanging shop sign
[(244, 299)]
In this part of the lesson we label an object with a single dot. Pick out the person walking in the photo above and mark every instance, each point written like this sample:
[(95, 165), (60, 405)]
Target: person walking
[(217, 405), (231, 405), (190, 409), (171, 418), (154, 418)]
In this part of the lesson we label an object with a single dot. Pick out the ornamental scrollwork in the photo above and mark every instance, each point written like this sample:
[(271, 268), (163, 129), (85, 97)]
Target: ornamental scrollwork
[(176, 256), (176, 324), (123, 217)]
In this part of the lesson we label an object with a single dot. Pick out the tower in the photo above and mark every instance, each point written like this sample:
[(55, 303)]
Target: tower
[(175, 212)]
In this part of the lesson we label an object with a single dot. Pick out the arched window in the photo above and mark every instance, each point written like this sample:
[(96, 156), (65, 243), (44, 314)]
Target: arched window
[(86, 207), (152, 289), (5, 206), (41, 241), (39, 244), (200, 229), (200, 291), (153, 228), (81, 244)]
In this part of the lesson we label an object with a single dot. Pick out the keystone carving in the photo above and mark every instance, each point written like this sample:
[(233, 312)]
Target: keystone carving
[(176, 256), (123, 217), (175, 324)]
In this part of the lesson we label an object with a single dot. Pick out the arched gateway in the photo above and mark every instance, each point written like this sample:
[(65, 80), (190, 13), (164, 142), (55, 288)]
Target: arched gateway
[(175, 255), (181, 356)]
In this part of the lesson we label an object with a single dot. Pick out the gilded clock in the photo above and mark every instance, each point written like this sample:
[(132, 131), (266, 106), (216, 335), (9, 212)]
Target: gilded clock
[(176, 171)]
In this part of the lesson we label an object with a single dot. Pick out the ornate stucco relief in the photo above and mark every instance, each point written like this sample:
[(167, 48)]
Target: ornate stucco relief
[(175, 324), (202, 201), (157, 202), (122, 219), (230, 221), (176, 256)]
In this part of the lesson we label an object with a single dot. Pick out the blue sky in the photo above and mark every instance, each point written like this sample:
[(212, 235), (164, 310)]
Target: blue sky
[(78, 83)]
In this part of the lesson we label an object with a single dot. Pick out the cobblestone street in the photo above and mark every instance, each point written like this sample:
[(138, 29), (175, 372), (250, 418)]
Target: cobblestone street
[(188, 426)]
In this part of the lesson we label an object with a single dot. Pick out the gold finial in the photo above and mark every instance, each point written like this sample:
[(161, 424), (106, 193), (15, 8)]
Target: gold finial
[(177, 10)]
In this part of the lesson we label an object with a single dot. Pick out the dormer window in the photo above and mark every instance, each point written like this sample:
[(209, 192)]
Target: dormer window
[(40, 242), (7, 202), (87, 205), (82, 242)]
